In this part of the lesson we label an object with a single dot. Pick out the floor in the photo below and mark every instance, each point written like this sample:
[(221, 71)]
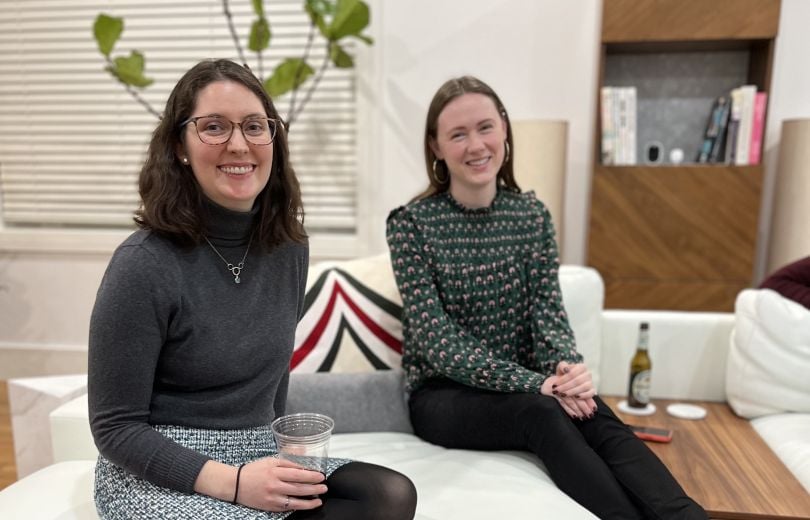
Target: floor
[(8, 471)]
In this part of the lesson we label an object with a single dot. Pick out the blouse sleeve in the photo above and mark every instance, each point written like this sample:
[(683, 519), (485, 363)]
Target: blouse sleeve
[(553, 338), (128, 328), (432, 336)]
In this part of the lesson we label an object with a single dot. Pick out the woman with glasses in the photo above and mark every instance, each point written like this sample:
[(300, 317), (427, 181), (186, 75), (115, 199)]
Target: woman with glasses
[(193, 327), (491, 359)]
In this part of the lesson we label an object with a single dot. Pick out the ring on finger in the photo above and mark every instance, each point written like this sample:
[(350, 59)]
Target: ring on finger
[(287, 503)]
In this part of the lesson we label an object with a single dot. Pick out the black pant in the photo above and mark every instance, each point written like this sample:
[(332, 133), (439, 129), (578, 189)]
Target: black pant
[(598, 462), (361, 491)]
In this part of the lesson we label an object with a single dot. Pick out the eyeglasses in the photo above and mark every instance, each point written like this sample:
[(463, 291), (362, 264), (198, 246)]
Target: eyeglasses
[(216, 130)]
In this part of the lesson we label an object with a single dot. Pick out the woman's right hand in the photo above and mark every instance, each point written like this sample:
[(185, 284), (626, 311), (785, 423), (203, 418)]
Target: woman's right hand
[(275, 484), (576, 379)]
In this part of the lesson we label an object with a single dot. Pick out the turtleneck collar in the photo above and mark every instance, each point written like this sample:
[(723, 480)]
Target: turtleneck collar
[(226, 227)]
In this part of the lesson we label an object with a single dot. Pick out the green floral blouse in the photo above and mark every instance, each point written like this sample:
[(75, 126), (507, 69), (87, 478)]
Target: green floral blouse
[(481, 294)]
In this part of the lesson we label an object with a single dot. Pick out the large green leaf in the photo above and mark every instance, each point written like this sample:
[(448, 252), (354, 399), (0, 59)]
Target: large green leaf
[(130, 70), (289, 75), (340, 57), (259, 35), (258, 8), (322, 7), (318, 10), (107, 30), (351, 17)]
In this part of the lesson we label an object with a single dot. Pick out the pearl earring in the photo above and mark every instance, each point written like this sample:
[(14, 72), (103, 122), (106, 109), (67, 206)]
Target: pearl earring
[(185, 160)]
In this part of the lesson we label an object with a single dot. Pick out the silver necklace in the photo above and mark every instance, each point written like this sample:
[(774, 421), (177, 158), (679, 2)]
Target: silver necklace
[(235, 270)]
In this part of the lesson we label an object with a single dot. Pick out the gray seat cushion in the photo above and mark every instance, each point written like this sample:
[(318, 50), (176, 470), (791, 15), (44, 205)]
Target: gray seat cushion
[(363, 402)]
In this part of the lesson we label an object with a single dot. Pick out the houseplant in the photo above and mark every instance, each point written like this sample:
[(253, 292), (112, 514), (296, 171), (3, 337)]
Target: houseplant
[(336, 20)]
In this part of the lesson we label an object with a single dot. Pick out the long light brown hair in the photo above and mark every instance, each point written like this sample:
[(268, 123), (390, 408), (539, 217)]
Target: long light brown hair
[(439, 180), (172, 200)]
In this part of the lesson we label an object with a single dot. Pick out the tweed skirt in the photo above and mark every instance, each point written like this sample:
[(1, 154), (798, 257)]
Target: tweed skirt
[(120, 495)]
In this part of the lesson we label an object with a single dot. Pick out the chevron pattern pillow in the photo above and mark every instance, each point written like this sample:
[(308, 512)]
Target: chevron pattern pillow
[(351, 320)]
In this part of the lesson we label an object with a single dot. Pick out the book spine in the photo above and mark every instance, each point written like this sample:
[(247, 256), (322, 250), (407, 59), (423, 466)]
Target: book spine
[(733, 126), (620, 108), (631, 147), (718, 147), (608, 136), (746, 123), (758, 123), (709, 134)]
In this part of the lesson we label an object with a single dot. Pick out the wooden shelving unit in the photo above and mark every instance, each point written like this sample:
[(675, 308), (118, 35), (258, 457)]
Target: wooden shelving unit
[(679, 237)]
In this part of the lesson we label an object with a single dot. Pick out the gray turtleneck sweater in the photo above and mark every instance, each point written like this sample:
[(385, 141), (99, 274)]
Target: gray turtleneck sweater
[(173, 340)]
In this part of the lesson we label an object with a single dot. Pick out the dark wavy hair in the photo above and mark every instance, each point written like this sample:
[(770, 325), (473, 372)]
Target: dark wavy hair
[(450, 90), (172, 200)]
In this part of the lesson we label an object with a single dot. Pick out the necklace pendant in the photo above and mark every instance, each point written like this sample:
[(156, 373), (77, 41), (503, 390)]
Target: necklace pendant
[(236, 279)]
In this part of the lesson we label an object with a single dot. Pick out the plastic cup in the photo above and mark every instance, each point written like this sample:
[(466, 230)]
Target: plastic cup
[(303, 438)]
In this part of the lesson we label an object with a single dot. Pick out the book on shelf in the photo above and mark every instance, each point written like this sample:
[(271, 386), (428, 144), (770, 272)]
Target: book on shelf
[(710, 150), (757, 128), (734, 130), (743, 142), (733, 126), (608, 130), (618, 114)]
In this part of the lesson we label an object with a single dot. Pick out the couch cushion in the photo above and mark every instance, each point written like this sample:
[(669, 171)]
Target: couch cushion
[(769, 358), (61, 491), (371, 402), (473, 485), (352, 312), (584, 296), (70, 432), (788, 435)]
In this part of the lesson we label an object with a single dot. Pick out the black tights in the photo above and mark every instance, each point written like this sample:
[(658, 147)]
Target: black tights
[(597, 462), (361, 491)]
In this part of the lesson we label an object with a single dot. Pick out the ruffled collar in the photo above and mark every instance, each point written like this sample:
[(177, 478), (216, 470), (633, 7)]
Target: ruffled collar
[(485, 210)]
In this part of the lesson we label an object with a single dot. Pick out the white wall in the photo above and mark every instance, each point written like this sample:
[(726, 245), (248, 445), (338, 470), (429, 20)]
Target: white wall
[(790, 99)]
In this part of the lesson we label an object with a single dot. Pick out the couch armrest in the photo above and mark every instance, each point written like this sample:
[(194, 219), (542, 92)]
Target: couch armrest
[(363, 402), (688, 352), (71, 437)]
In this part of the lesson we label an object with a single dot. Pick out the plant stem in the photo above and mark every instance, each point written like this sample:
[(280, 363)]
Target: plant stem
[(261, 64), (229, 17), (132, 92), (312, 86), (291, 113)]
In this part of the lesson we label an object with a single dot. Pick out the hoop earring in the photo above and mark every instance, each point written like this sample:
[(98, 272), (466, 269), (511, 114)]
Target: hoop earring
[(508, 152), (435, 176)]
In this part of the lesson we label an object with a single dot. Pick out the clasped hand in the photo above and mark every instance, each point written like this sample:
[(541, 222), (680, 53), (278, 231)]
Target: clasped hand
[(573, 388), (275, 484)]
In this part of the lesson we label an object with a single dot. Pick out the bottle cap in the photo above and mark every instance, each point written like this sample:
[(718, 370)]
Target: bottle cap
[(645, 325)]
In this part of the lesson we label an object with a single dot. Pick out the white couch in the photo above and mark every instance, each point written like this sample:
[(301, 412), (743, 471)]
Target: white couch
[(768, 376), (689, 353)]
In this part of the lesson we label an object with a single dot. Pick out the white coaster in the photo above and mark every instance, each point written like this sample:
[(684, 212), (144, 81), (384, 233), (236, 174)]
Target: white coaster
[(626, 408), (686, 411)]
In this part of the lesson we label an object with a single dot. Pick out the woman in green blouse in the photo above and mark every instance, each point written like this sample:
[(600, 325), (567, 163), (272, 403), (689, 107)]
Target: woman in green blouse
[(490, 357)]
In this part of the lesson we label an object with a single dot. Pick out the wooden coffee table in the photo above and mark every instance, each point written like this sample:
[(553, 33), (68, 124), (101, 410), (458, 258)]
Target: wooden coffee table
[(724, 465)]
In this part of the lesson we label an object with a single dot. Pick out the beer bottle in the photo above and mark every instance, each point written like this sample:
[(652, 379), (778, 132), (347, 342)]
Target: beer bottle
[(638, 391)]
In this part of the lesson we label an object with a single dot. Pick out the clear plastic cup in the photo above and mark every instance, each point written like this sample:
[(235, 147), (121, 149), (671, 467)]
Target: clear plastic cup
[(303, 438)]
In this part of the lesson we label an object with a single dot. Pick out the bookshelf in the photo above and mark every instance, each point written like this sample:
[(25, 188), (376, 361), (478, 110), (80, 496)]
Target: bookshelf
[(678, 237)]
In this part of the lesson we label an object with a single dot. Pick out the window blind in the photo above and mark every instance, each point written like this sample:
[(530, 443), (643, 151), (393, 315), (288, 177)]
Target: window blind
[(72, 140)]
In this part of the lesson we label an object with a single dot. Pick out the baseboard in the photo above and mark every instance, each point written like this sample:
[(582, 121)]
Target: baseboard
[(28, 360)]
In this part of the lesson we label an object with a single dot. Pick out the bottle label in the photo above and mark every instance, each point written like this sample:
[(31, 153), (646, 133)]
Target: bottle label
[(640, 387)]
